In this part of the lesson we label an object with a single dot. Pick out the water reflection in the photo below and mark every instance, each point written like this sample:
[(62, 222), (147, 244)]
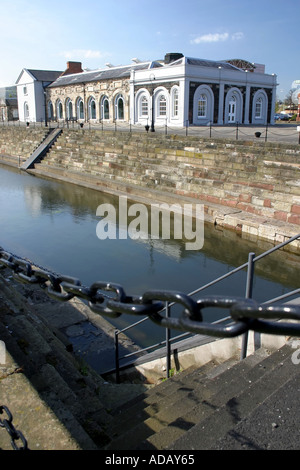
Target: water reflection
[(54, 224)]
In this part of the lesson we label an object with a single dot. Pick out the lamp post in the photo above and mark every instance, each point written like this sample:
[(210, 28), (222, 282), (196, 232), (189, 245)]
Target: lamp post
[(152, 78)]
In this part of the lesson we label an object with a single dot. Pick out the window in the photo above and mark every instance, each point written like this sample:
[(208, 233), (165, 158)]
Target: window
[(144, 107), (175, 102), (69, 109), (92, 108), (162, 106), (202, 106), (105, 108), (119, 107), (50, 110), (258, 108), (25, 90), (59, 110), (26, 111), (80, 109)]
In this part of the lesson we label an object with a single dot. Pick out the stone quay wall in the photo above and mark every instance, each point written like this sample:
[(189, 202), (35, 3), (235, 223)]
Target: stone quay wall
[(20, 142), (249, 186)]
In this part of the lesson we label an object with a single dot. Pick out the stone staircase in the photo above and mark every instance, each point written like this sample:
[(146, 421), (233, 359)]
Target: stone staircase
[(234, 405), (256, 178)]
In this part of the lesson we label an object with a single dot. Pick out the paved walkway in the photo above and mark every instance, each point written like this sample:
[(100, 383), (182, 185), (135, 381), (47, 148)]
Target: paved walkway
[(280, 132)]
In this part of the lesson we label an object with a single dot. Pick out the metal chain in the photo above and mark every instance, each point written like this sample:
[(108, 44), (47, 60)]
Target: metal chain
[(109, 299), (12, 431)]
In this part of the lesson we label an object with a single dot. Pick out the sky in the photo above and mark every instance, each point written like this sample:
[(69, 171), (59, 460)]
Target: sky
[(46, 35)]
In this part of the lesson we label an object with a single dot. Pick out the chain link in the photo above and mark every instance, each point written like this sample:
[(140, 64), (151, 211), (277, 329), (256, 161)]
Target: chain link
[(110, 300), (15, 435)]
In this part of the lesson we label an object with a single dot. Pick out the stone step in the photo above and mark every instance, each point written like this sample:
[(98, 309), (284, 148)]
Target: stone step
[(279, 372), (189, 398), (63, 385)]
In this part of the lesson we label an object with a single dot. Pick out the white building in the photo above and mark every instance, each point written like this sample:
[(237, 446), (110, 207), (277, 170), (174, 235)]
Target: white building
[(197, 92), (177, 91), (31, 93)]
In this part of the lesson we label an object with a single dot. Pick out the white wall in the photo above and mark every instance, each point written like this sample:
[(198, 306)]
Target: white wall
[(26, 94), (34, 97)]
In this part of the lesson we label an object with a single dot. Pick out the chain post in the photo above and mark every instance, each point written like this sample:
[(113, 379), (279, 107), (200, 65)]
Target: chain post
[(248, 295)]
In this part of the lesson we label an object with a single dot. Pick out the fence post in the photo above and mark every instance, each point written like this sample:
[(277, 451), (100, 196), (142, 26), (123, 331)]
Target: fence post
[(168, 345), (117, 357), (248, 295)]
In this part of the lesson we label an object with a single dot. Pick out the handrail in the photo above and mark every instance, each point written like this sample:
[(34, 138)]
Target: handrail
[(252, 259)]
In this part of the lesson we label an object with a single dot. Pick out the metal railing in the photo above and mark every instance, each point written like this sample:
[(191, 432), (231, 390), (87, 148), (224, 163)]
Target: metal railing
[(249, 265), (268, 133)]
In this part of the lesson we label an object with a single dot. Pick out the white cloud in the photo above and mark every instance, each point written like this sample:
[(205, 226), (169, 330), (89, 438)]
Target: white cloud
[(217, 37), (83, 54), (210, 38)]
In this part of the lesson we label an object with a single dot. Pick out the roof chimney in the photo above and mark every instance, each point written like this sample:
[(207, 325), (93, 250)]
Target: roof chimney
[(72, 67)]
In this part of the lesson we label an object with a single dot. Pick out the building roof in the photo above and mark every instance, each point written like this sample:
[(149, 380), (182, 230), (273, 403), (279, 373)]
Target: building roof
[(102, 74), (45, 75), (42, 75), (205, 63)]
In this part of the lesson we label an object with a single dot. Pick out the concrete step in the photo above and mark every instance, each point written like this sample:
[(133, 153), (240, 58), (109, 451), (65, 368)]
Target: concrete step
[(65, 386), (159, 418), (278, 371), (199, 409)]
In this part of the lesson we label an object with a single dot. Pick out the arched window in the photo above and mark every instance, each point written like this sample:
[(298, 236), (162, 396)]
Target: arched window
[(202, 106), (258, 108), (26, 111), (69, 109), (80, 109), (92, 108), (59, 110), (162, 106), (144, 107), (175, 102), (104, 108), (50, 110), (119, 107)]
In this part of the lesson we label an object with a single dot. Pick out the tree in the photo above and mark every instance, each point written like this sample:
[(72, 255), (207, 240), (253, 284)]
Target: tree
[(289, 103)]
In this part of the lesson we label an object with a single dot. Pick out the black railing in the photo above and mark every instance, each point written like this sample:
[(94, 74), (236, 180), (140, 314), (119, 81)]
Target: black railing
[(267, 133), (249, 265)]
